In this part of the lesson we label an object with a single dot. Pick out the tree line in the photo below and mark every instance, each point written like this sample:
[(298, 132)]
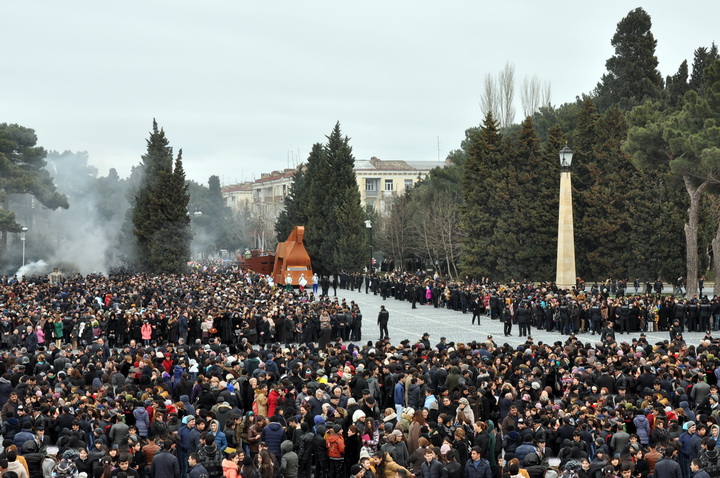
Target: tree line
[(644, 176), (154, 220)]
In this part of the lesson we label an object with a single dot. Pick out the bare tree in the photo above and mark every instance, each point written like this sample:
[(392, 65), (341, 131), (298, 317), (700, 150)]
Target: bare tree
[(546, 96), (530, 95), (490, 99), (444, 214), (506, 89), (395, 236), (437, 228)]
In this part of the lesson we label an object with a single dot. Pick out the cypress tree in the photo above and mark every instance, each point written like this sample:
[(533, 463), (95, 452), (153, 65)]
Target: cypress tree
[(325, 199), (161, 223), (507, 237), (481, 210), (703, 58), (677, 85)]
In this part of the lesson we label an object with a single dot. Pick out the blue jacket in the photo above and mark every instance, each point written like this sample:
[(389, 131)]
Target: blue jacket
[(399, 394), (184, 433), (221, 440), (197, 471), (165, 465), (523, 450), (142, 421), (273, 435), (685, 446), (21, 437), (478, 469), (643, 429)]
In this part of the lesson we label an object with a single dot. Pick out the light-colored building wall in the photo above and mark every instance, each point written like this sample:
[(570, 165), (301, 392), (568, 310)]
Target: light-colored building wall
[(238, 196), (380, 181)]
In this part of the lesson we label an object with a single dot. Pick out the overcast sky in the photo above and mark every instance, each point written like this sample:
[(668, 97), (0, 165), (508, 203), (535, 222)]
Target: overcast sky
[(246, 87)]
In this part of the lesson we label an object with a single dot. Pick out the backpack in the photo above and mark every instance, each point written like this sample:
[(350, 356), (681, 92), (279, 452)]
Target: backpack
[(255, 408)]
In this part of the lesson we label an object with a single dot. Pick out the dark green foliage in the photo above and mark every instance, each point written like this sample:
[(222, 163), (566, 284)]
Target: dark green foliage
[(632, 75), (295, 211), (563, 117), (22, 171), (685, 142), (481, 180), (325, 199), (703, 58), (677, 85), (160, 219)]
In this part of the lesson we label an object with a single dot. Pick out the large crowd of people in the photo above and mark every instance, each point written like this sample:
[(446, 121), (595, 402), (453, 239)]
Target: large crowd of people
[(584, 309), (221, 373)]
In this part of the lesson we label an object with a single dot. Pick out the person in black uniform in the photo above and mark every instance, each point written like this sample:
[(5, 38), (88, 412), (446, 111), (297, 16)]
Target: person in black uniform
[(383, 318), (507, 321)]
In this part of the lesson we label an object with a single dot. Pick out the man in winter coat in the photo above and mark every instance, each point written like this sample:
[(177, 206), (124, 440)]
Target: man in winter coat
[(196, 469), (697, 470), (305, 454), (667, 467), (289, 462), (209, 456), (477, 466), (164, 463), (335, 450), (273, 435), (431, 468)]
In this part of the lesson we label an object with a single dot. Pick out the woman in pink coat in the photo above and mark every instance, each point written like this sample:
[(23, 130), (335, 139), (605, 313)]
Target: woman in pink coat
[(146, 332)]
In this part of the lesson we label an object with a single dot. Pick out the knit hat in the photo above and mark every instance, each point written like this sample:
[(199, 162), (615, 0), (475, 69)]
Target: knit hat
[(358, 415)]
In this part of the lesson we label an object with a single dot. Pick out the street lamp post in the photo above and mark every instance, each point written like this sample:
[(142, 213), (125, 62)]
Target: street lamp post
[(565, 275), (198, 215), (23, 230), (368, 225)]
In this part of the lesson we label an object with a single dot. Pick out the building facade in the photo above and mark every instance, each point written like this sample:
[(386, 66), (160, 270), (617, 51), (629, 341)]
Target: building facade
[(379, 182)]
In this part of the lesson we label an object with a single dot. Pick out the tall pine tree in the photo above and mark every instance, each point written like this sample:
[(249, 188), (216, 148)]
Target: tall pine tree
[(632, 75), (326, 200), (481, 210), (161, 224)]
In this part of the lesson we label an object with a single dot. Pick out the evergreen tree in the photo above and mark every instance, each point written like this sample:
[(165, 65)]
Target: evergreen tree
[(507, 238), (687, 142), (540, 177), (294, 212), (703, 58), (344, 231), (325, 199), (632, 75), (479, 184), (22, 171), (352, 249), (318, 206), (677, 85), (161, 223)]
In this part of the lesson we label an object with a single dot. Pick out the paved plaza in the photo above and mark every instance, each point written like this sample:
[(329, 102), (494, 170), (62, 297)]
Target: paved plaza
[(406, 323)]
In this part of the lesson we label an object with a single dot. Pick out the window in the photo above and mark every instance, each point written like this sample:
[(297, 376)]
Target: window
[(388, 185), (371, 184), (408, 184)]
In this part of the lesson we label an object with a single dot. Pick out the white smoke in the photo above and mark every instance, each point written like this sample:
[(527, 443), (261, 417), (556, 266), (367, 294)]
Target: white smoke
[(82, 238), (36, 268)]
